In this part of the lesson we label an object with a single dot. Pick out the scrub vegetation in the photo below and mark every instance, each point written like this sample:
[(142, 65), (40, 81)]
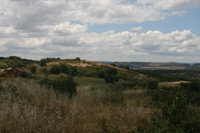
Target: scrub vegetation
[(55, 96)]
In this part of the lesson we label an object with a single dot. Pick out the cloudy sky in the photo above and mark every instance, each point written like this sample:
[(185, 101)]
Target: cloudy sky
[(101, 30)]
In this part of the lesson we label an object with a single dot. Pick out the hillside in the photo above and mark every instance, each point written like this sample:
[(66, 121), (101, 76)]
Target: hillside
[(74, 95), (73, 67)]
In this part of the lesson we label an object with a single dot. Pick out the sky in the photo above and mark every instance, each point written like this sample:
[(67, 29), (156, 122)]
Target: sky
[(101, 30)]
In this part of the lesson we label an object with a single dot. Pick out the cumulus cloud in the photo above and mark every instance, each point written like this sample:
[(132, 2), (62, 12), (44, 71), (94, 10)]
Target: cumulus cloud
[(127, 45), (41, 28), (29, 14), (136, 29)]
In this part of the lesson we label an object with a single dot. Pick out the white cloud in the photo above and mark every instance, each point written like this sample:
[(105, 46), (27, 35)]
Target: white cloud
[(127, 45), (136, 29), (67, 28), (28, 14), (34, 29)]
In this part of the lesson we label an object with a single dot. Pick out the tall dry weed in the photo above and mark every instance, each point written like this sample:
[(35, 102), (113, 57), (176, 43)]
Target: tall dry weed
[(27, 107)]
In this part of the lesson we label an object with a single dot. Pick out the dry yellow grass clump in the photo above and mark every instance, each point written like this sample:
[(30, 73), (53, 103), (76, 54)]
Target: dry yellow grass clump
[(25, 106)]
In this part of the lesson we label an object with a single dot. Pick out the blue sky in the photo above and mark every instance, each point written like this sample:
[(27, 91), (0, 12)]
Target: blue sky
[(189, 21), (106, 30)]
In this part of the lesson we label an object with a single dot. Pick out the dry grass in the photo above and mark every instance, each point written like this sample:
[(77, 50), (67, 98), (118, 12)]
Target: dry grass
[(176, 83), (27, 107)]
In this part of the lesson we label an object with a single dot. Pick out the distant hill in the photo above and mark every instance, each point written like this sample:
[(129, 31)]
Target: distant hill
[(195, 66), (152, 65), (1, 58)]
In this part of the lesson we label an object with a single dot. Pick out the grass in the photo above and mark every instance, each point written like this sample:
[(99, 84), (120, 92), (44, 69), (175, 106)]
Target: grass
[(172, 84), (27, 107), (88, 81)]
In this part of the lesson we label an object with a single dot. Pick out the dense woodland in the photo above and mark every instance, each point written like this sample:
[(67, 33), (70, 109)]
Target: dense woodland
[(74, 95)]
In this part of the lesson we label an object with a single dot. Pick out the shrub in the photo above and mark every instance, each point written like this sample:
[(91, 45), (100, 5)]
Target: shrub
[(152, 85), (176, 115), (63, 83), (111, 79), (72, 71), (121, 66), (111, 71), (127, 67), (78, 59), (44, 70), (55, 69), (100, 74), (63, 68), (42, 62), (3, 65), (112, 64), (32, 68)]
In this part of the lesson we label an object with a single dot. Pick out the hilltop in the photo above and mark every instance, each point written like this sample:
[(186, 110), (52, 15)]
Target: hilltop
[(73, 67)]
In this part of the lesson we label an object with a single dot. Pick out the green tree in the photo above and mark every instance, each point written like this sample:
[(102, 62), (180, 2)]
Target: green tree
[(121, 66), (63, 68), (111, 78), (111, 75), (72, 71), (55, 69), (14, 61), (112, 64), (127, 67), (100, 74), (42, 62), (78, 59), (32, 68), (3, 65), (111, 71), (44, 70)]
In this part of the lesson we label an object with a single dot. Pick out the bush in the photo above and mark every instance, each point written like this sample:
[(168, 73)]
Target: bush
[(42, 62), (78, 59), (63, 83), (63, 68), (127, 67), (32, 68), (112, 64), (121, 66), (100, 74), (111, 79), (193, 92), (111, 71), (3, 65), (44, 70), (152, 85), (72, 71), (175, 115), (55, 69)]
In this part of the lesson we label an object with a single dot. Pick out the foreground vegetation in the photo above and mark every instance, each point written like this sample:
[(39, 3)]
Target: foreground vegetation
[(27, 106), (57, 95)]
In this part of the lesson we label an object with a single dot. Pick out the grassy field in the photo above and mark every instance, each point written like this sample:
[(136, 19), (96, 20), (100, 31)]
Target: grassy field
[(173, 84), (25, 106)]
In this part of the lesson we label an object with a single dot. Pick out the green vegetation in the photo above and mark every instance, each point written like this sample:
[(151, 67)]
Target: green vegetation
[(71, 95), (63, 83)]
